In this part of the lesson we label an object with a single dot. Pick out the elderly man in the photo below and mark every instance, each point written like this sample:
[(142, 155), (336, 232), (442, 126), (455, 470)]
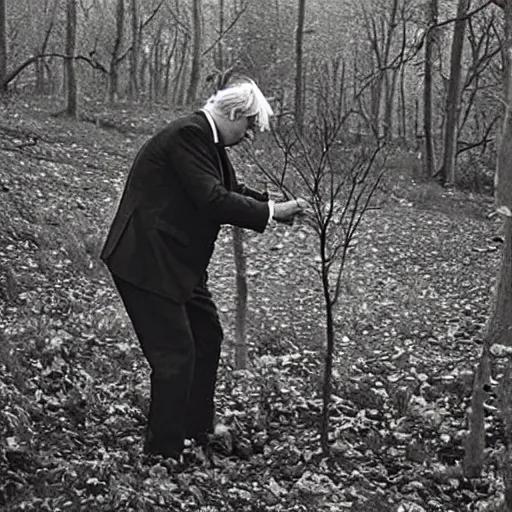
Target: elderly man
[(181, 188)]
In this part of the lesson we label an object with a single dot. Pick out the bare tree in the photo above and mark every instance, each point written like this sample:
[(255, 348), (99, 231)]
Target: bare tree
[(133, 87), (40, 64), (115, 58), (391, 50), (500, 326), (71, 89), (171, 54), (241, 299), (299, 83), (3, 47), (498, 336), (453, 98), (178, 96), (427, 90), (478, 117), (220, 50), (195, 72), (339, 182)]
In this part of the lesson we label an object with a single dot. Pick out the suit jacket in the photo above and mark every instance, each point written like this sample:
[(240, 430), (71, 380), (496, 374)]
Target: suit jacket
[(180, 189)]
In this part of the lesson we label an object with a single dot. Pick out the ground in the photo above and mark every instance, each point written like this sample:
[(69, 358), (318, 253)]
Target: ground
[(74, 386)]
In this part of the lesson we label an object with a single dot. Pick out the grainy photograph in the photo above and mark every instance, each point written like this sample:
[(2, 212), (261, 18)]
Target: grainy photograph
[(256, 255)]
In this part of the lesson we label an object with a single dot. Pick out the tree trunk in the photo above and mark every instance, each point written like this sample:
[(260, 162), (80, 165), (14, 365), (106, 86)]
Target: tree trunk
[(133, 88), (299, 84), (329, 353), (195, 72), (475, 442), (403, 107), (506, 408), (181, 77), (40, 64), (390, 75), (151, 77), (503, 179), (113, 90), (501, 320), (449, 174), (241, 299), (499, 327), (168, 60), (72, 93), (157, 64), (220, 50), (3, 48), (430, 164), (142, 73)]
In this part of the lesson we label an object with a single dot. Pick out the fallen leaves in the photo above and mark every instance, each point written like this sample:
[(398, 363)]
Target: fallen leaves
[(74, 385)]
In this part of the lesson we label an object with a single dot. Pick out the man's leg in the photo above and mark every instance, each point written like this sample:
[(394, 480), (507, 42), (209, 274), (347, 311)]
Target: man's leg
[(164, 333), (207, 331)]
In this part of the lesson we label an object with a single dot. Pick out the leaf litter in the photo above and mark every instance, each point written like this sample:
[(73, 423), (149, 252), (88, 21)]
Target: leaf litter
[(74, 385)]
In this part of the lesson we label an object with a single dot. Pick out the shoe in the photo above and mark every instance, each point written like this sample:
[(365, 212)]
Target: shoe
[(152, 452), (171, 464), (225, 444), (221, 441)]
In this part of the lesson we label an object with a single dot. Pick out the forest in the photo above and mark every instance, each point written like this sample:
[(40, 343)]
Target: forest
[(366, 363)]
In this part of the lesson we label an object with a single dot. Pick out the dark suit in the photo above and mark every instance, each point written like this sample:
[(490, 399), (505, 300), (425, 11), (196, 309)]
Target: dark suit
[(180, 190)]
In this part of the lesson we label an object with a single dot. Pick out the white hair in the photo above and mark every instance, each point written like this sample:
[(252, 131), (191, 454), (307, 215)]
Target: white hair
[(243, 98)]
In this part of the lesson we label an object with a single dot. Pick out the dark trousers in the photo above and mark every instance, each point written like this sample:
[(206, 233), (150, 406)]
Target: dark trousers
[(182, 345)]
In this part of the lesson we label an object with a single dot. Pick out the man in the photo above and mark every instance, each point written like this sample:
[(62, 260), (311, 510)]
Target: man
[(180, 190)]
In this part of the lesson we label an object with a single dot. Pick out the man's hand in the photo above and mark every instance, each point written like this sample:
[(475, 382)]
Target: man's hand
[(286, 211)]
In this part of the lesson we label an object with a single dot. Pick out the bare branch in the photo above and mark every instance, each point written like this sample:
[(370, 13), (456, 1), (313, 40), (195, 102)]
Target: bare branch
[(152, 15), (10, 77), (227, 30), (466, 146), (178, 21), (466, 16)]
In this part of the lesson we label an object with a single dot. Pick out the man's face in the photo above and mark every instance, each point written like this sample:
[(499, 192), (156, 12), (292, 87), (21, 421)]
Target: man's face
[(242, 128), (250, 131)]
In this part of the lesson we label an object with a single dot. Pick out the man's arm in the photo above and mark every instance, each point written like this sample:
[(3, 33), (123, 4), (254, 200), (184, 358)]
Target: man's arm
[(197, 169), (250, 192)]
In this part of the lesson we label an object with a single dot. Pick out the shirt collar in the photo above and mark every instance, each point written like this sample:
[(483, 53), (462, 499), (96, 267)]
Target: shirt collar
[(215, 132)]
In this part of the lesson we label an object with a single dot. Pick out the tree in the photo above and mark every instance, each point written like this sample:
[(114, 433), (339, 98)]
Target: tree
[(133, 87), (500, 326), (387, 36), (195, 72), (71, 90), (3, 47), (241, 299), (299, 79), (498, 335), (453, 96), (115, 58), (220, 50), (40, 63), (478, 123), (339, 181), (427, 88)]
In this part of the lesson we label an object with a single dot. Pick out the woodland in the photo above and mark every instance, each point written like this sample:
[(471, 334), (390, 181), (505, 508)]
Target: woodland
[(366, 364)]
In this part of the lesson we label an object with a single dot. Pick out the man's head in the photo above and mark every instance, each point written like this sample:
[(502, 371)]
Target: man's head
[(239, 108)]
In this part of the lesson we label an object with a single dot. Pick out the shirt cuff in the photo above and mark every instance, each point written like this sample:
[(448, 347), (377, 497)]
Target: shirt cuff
[(270, 210)]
